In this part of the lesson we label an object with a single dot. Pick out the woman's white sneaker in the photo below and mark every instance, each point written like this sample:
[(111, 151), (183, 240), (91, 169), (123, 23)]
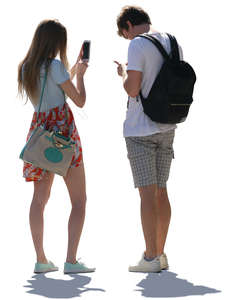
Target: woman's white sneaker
[(145, 266)]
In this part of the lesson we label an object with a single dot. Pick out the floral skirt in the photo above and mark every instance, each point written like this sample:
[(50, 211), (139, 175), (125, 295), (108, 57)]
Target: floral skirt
[(54, 119)]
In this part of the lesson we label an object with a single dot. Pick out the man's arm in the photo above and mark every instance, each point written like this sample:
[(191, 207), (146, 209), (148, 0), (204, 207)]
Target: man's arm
[(132, 83), (131, 80)]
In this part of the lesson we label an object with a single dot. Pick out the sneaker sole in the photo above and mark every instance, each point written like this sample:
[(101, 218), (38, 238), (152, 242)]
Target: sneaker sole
[(46, 271), (145, 271), (75, 272)]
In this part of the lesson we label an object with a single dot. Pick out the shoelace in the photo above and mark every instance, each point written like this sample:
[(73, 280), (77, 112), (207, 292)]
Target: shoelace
[(80, 262)]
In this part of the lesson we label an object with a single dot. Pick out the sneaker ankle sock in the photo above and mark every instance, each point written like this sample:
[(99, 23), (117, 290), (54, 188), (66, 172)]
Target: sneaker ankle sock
[(149, 258)]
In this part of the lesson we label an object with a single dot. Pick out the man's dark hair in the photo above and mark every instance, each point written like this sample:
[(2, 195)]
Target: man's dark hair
[(136, 15)]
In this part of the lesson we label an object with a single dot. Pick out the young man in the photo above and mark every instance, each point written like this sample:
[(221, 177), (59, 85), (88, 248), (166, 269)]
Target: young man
[(149, 144)]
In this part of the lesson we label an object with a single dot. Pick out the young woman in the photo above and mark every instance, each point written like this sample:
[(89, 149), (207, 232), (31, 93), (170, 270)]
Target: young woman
[(50, 39)]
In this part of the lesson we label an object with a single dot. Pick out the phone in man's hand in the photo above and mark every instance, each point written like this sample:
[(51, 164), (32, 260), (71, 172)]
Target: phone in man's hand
[(86, 51)]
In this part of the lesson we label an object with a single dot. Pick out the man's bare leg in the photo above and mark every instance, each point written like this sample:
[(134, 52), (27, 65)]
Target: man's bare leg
[(163, 218), (148, 196)]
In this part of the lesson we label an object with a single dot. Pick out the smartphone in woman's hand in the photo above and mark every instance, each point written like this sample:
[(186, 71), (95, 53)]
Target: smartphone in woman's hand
[(86, 51)]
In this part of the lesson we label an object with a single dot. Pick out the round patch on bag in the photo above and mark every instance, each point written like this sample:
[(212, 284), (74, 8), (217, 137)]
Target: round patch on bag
[(53, 155)]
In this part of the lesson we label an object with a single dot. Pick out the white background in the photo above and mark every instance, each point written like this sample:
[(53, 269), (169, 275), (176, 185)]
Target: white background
[(112, 236)]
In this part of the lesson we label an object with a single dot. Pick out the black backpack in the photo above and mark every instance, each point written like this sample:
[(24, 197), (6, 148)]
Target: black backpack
[(170, 97)]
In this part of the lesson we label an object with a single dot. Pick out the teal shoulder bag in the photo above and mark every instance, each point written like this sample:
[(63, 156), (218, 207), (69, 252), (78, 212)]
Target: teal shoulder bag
[(49, 150)]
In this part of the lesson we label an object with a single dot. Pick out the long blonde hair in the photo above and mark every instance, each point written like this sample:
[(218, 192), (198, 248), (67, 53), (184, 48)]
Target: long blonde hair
[(50, 38)]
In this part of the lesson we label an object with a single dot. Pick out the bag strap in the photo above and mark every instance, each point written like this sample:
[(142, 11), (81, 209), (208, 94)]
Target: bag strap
[(42, 93), (158, 46), (156, 43), (41, 99)]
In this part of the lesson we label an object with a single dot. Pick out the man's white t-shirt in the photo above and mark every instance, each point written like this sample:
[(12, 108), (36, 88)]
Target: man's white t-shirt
[(143, 56)]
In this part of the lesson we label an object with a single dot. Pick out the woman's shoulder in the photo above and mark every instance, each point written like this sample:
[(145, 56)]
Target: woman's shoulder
[(58, 71), (57, 63), (57, 66)]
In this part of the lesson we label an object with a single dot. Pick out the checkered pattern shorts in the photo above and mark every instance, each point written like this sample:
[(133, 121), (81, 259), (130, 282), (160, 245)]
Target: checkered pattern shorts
[(150, 158)]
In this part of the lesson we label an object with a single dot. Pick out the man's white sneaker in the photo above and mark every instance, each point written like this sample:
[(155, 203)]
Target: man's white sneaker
[(146, 266), (163, 262)]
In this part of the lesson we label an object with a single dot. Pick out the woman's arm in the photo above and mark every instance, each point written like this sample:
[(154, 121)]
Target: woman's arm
[(76, 93), (73, 70)]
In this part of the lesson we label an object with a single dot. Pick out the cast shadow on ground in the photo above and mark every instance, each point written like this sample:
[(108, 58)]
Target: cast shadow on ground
[(59, 288), (166, 284)]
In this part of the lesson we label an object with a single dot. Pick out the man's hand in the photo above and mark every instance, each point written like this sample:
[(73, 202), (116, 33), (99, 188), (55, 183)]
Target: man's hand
[(121, 69), (131, 79)]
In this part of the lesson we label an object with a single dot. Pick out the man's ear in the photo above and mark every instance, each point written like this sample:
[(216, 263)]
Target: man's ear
[(129, 25)]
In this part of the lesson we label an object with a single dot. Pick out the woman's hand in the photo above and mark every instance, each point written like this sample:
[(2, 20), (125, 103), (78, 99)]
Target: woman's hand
[(76, 93), (79, 67)]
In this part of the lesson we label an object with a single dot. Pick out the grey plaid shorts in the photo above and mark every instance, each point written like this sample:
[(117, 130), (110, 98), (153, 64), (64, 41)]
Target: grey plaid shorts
[(150, 158)]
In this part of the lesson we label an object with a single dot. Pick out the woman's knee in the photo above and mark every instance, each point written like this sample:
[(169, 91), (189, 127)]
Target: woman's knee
[(78, 202), (42, 190), (40, 198)]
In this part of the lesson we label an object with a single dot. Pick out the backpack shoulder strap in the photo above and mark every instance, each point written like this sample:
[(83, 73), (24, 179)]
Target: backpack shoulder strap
[(156, 43), (174, 47)]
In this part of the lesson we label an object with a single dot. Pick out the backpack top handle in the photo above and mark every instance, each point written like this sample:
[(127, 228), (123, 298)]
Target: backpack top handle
[(156, 43), (173, 44), (174, 47)]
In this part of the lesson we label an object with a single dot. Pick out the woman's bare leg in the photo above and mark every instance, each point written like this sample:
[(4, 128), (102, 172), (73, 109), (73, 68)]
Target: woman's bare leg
[(75, 182), (41, 195)]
